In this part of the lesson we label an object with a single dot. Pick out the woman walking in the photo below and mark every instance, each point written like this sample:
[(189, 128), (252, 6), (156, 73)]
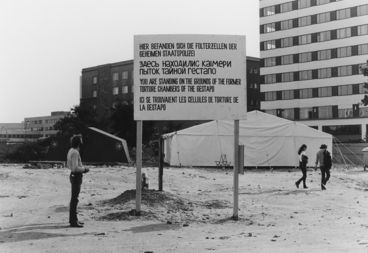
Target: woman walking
[(303, 160)]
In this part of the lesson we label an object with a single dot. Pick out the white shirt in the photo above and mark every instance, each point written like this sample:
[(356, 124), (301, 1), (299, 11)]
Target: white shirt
[(74, 161), (301, 154)]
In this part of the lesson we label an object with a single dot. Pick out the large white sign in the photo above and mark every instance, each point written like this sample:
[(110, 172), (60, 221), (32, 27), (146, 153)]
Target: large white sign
[(189, 77)]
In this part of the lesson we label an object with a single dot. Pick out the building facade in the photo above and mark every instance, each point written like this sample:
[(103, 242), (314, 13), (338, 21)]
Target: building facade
[(104, 86), (31, 129), (43, 126), (311, 54)]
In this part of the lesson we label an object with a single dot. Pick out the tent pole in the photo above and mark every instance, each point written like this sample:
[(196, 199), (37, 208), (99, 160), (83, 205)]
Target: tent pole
[(236, 170), (138, 191)]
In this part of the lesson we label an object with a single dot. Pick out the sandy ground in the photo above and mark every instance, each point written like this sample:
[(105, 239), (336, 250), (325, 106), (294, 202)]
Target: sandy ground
[(191, 215)]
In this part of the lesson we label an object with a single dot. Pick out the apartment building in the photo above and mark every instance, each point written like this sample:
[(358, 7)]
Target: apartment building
[(42, 126), (311, 54)]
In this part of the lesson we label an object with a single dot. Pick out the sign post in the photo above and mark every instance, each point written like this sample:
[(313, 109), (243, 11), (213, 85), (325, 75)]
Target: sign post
[(138, 182), (189, 77), (236, 170)]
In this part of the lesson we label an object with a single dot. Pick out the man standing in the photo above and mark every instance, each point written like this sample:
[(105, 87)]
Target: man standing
[(74, 163), (323, 157)]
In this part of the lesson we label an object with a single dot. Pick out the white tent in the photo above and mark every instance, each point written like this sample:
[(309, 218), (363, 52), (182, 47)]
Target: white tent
[(268, 141)]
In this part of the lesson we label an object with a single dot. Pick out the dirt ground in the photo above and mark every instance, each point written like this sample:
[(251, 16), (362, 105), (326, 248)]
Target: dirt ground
[(192, 214)]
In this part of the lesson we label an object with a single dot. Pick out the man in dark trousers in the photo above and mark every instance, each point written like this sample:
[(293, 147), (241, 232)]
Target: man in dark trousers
[(323, 157), (75, 165)]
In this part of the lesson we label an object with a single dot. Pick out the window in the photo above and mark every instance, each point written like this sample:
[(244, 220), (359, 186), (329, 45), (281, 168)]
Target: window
[(270, 27), (287, 113), (324, 36), (345, 90), (324, 73), (271, 44), (304, 21), (94, 80), (324, 54), (345, 113), (287, 59), (306, 93), (343, 14), (268, 11), (343, 33), (320, 2), (125, 89), (272, 112), (270, 78), (269, 62), (287, 42), (125, 75), (303, 4), (285, 7), (305, 39), (270, 96), (287, 94), (363, 10), (115, 90), (305, 57), (286, 24), (325, 92), (325, 112), (306, 75), (323, 17), (94, 93), (305, 113), (115, 76), (363, 49), (362, 30), (345, 71), (343, 52)]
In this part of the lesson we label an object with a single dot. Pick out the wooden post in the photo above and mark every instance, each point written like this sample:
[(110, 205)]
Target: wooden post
[(236, 170), (161, 163), (138, 190)]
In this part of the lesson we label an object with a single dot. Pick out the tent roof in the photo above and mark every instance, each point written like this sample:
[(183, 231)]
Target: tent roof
[(257, 124)]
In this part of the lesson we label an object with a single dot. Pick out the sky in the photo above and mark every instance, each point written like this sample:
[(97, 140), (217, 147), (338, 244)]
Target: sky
[(44, 44)]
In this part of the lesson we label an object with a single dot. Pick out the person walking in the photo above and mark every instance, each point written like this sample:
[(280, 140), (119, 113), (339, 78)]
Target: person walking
[(303, 160), (322, 158), (74, 163)]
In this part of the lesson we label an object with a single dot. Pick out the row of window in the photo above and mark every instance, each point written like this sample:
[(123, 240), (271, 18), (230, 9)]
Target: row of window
[(291, 6), (342, 90), (316, 55), (23, 136), (322, 112), (304, 39), (315, 19), (310, 74), (115, 90), (116, 76)]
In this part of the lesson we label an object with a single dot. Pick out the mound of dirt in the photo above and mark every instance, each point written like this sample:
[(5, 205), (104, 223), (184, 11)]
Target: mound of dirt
[(163, 206), (151, 198)]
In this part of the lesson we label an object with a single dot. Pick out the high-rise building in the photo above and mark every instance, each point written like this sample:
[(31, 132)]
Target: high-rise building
[(104, 86), (311, 54)]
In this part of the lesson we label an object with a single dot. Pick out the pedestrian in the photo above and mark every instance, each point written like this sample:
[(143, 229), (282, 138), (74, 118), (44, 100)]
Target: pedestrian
[(323, 157), (145, 183), (303, 160), (74, 163)]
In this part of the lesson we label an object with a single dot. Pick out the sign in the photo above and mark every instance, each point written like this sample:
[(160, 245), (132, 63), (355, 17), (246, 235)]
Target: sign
[(189, 77)]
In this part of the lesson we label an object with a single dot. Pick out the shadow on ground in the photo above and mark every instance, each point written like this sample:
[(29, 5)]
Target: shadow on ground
[(34, 232), (153, 228)]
